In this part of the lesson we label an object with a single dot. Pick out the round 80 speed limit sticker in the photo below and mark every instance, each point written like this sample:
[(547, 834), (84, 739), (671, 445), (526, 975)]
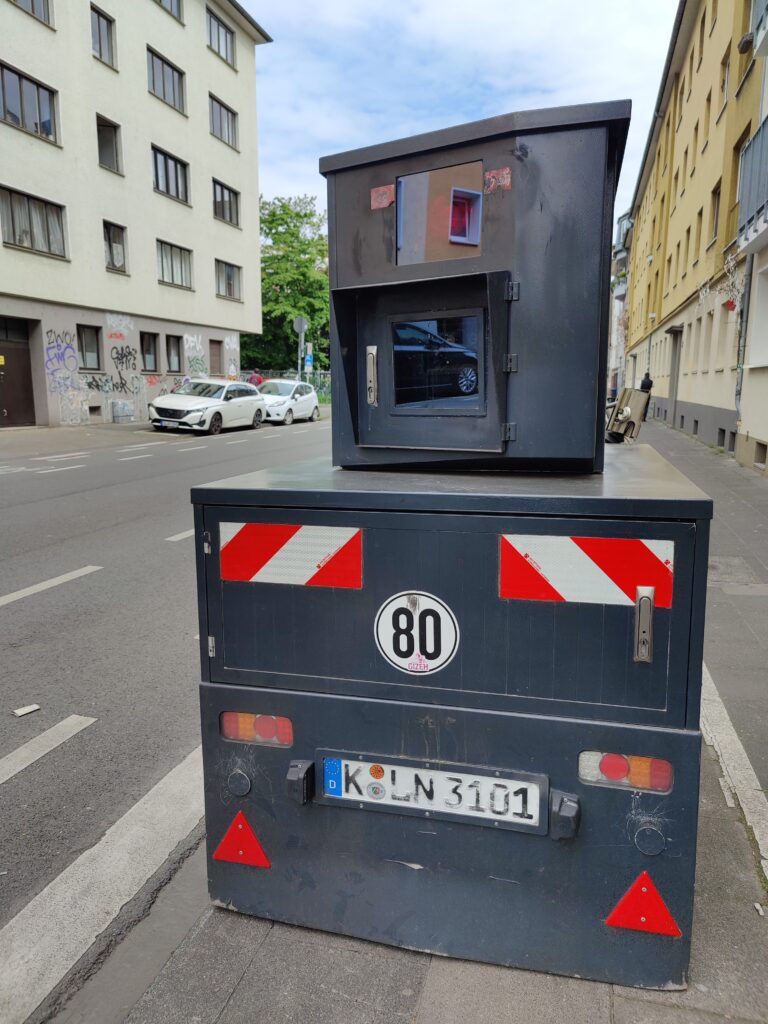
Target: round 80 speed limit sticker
[(416, 632)]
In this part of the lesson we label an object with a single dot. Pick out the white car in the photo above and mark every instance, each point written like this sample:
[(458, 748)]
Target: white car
[(208, 406), (289, 400)]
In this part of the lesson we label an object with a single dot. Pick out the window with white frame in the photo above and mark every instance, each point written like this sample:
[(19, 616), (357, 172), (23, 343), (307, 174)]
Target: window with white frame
[(40, 9), (31, 223), (88, 347), (102, 36), (174, 264), (27, 104), (221, 39), (173, 352), (226, 203), (108, 137), (114, 247), (148, 342), (223, 121), (165, 80), (227, 280), (170, 175)]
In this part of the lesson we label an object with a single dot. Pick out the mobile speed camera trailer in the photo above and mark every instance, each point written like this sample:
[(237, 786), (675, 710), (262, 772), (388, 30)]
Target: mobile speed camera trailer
[(451, 711)]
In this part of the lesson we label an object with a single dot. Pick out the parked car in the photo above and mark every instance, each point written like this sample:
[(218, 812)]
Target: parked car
[(208, 406), (289, 400), (429, 366)]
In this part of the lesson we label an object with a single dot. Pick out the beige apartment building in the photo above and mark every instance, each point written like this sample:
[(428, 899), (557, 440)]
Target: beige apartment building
[(129, 202), (689, 318)]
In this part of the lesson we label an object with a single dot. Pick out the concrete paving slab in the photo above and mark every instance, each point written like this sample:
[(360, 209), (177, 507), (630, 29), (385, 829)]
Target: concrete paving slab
[(633, 1011), (292, 981), (458, 992), (199, 979)]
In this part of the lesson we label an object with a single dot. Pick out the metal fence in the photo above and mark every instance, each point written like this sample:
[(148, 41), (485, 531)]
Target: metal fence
[(753, 189), (319, 379)]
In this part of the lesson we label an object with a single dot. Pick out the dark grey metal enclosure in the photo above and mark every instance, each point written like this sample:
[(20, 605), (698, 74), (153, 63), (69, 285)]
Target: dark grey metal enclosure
[(448, 653), (491, 243)]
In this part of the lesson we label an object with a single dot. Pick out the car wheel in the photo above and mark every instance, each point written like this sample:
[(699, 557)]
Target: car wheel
[(258, 416), (467, 380), (288, 418), (315, 415), (214, 427)]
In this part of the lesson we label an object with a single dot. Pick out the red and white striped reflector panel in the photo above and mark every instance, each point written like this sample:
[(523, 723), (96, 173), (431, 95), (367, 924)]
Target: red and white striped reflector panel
[(303, 556), (588, 570)]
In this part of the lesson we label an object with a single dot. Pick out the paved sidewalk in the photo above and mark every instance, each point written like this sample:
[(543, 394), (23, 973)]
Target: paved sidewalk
[(190, 962)]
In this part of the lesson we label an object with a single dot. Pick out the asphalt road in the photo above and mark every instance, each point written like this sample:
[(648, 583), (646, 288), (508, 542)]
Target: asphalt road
[(116, 644)]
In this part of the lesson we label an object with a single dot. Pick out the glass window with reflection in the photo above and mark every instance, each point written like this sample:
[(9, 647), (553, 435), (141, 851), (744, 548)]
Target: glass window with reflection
[(439, 361), (439, 214)]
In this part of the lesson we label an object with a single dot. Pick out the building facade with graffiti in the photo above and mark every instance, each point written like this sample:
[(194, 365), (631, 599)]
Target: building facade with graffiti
[(128, 203), (697, 302)]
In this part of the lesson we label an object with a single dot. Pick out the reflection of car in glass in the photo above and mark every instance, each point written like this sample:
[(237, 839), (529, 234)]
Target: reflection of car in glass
[(208, 406), (289, 400), (428, 365)]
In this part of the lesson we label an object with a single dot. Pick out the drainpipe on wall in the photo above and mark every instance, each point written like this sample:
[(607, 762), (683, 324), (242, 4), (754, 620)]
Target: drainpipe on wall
[(743, 336)]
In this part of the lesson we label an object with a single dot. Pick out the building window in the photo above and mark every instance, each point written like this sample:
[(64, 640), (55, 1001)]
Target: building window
[(26, 104), (148, 351), (223, 122), (695, 148), (227, 280), (714, 211), (31, 223), (702, 24), (220, 38), (707, 119), (226, 203), (108, 135), (214, 348), (170, 175), (725, 73), (102, 41), (165, 81), (40, 9), (173, 352), (172, 6), (114, 247), (88, 347), (697, 243), (174, 265)]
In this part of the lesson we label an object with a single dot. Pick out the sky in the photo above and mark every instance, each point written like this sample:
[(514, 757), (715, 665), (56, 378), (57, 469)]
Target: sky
[(342, 74)]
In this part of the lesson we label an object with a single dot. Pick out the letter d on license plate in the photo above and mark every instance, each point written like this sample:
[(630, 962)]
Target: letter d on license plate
[(480, 796)]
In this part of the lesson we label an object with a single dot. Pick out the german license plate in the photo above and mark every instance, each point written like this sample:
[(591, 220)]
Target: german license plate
[(506, 799)]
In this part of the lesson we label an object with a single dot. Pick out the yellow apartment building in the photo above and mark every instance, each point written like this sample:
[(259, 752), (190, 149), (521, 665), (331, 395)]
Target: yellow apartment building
[(690, 275)]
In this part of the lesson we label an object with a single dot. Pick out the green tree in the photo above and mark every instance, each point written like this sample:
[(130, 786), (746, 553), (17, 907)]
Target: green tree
[(294, 281)]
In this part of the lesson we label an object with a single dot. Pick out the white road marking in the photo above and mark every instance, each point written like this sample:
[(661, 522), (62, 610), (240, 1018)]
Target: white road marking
[(41, 745), (60, 469), (737, 768), (44, 940), (181, 536), (130, 458), (192, 448), (47, 584), (241, 440), (57, 458), (295, 433), (144, 444)]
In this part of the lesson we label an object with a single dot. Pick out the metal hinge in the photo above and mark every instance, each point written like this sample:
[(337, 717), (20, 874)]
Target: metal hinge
[(509, 432), (211, 647), (510, 363), (512, 291), (207, 542)]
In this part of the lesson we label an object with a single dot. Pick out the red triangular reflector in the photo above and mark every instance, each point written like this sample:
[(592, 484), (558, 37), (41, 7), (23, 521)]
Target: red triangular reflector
[(240, 845), (642, 909), (518, 578), (344, 569)]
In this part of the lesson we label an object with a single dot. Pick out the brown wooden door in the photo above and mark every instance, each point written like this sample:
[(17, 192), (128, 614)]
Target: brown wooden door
[(17, 404), (216, 347)]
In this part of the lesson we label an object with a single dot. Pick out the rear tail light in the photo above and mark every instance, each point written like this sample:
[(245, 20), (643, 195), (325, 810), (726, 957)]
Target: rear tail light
[(270, 730), (626, 771)]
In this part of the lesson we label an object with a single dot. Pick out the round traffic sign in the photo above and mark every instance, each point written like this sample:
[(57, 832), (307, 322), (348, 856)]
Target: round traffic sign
[(416, 632)]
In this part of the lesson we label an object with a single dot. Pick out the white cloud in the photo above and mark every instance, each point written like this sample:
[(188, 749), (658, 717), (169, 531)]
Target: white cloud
[(344, 74)]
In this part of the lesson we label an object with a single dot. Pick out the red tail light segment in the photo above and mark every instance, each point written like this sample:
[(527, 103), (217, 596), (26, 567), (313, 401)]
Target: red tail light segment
[(269, 730), (626, 771)]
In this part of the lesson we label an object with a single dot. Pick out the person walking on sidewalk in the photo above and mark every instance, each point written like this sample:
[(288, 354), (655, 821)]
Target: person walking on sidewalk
[(645, 385)]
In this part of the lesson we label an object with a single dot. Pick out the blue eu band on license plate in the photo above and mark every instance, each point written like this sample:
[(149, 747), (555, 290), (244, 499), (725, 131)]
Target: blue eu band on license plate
[(509, 800)]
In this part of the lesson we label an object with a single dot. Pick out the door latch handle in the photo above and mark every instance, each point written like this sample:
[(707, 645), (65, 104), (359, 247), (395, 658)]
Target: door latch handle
[(645, 598), (371, 375)]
